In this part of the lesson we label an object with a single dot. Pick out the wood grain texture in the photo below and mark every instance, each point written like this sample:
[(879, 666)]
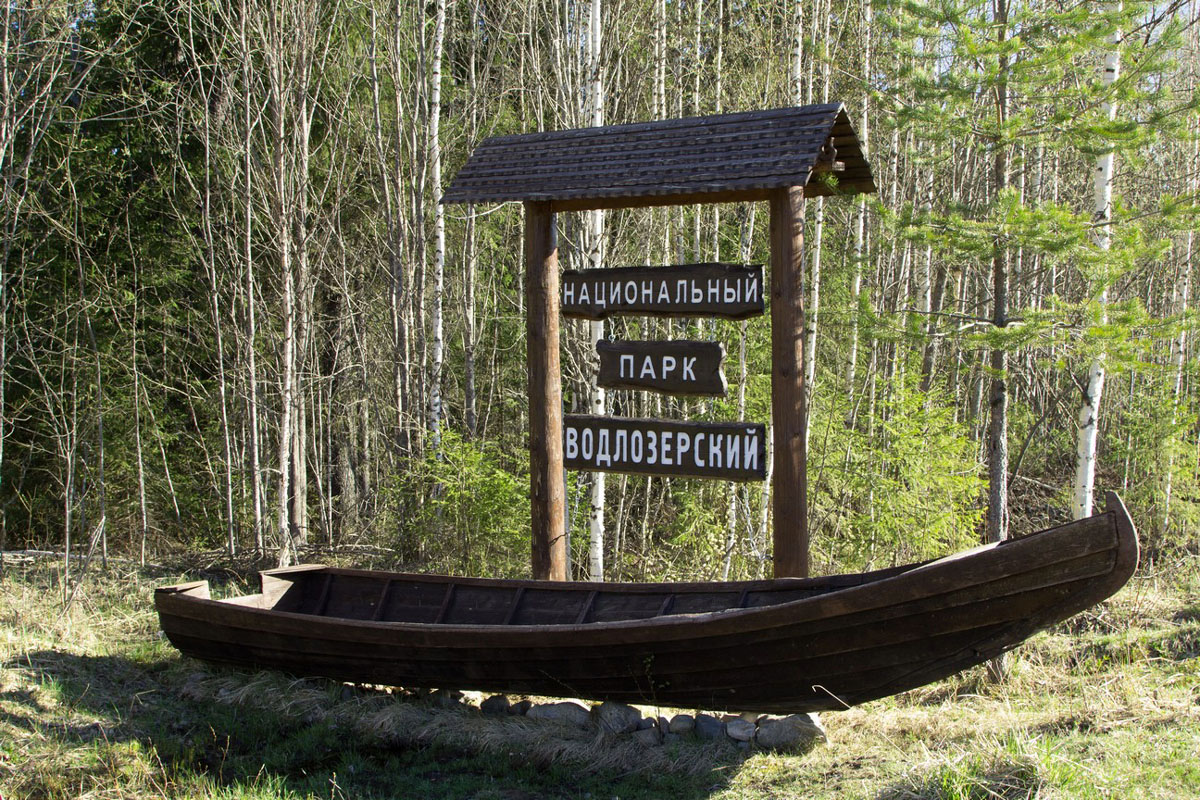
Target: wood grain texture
[(547, 491), (719, 158), (789, 409), (796, 645)]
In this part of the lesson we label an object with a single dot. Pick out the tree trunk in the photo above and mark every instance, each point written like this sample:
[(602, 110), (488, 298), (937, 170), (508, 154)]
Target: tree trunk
[(1089, 412)]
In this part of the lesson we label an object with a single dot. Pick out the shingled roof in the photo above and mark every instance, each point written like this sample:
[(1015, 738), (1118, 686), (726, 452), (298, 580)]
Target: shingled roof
[(723, 158)]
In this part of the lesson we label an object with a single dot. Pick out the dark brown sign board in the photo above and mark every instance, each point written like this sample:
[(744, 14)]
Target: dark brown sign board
[(733, 291), (734, 451), (674, 367)]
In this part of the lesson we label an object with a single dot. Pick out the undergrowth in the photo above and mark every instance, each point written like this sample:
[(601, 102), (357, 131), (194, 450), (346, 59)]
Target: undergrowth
[(95, 703)]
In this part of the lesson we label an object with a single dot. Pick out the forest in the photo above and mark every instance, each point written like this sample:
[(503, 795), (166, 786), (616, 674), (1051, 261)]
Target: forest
[(234, 315)]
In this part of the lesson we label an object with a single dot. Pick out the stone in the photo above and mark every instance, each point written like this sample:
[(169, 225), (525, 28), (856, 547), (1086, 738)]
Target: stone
[(568, 712), (709, 727), (650, 737), (646, 724), (752, 716), (796, 733), (664, 724), (617, 717), (682, 723), (520, 708), (497, 704), (446, 698), (739, 729), (672, 738)]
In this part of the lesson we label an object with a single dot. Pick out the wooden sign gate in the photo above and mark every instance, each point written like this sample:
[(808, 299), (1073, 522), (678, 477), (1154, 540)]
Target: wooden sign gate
[(780, 156)]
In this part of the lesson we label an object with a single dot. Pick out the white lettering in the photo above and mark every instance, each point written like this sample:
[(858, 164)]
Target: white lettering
[(568, 293), (733, 291), (651, 447), (584, 297), (714, 450), (572, 447), (750, 453), (630, 292), (614, 293), (666, 437), (635, 447), (626, 358), (587, 445), (714, 290), (603, 457), (733, 456), (688, 364), (621, 448), (647, 292), (648, 367), (681, 291), (668, 365), (698, 452), (683, 443), (751, 289), (697, 293)]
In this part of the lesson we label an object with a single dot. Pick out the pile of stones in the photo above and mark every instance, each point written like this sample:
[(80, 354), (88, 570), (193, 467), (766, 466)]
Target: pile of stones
[(793, 733)]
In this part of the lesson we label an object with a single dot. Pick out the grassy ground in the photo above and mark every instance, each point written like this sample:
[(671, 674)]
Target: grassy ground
[(96, 704)]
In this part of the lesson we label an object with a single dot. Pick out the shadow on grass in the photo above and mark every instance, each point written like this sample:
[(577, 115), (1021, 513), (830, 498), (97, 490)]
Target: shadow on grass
[(267, 735)]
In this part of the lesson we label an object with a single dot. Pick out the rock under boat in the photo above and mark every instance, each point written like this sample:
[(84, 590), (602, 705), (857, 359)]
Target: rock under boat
[(782, 645)]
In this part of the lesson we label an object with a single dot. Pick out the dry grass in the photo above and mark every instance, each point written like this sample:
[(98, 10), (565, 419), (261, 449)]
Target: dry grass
[(95, 704)]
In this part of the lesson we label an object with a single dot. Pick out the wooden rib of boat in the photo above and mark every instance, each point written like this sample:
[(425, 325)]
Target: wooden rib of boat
[(778, 645)]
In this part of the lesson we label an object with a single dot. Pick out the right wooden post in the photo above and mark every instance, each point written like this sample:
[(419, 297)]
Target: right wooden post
[(789, 408)]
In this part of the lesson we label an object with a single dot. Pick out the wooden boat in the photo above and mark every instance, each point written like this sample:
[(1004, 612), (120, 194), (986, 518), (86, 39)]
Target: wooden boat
[(777, 645)]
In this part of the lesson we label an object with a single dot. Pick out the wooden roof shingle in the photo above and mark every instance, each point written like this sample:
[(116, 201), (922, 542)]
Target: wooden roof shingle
[(722, 158)]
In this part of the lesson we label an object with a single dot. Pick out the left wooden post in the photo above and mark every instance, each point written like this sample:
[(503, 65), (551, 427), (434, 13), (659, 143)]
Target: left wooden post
[(547, 491)]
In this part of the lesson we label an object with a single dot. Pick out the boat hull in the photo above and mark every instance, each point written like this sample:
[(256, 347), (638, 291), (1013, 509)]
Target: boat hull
[(843, 640)]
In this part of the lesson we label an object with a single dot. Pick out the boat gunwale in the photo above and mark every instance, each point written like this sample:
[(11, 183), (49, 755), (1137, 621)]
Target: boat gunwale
[(1124, 545)]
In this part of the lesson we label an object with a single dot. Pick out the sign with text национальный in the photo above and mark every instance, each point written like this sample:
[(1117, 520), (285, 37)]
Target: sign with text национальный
[(731, 291), (734, 451)]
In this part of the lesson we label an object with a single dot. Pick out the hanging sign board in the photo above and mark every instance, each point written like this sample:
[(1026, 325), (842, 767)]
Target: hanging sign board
[(674, 367), (732, 291), (734, 451)]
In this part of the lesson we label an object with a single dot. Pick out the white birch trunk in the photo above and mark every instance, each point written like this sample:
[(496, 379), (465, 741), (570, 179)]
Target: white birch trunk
[(1089, 412), (439, 226), (595, 256), (860, 218)]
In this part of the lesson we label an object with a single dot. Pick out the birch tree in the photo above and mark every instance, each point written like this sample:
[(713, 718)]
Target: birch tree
[(1102, 193)]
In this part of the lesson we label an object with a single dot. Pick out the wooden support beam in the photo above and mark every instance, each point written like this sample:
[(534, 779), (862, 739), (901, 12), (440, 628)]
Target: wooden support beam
[(547, 491), (789, 409)]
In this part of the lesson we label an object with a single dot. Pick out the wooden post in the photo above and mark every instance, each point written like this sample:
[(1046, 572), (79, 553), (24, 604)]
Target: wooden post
[(788, 405), (547, 492)]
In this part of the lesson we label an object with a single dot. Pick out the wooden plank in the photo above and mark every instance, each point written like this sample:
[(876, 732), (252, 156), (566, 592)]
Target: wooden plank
[(383, 598), (733, 451), (731, 291), (547, 491), (588, 605), (516, 604), (789, 410), (447, 601), (678, 367)]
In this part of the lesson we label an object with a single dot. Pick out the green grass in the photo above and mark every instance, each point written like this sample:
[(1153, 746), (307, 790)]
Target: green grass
[(95, 703)]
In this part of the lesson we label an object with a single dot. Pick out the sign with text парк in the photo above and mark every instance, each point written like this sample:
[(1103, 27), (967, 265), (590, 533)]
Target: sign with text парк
[(734, 451), (676, 367), (732, 291)]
